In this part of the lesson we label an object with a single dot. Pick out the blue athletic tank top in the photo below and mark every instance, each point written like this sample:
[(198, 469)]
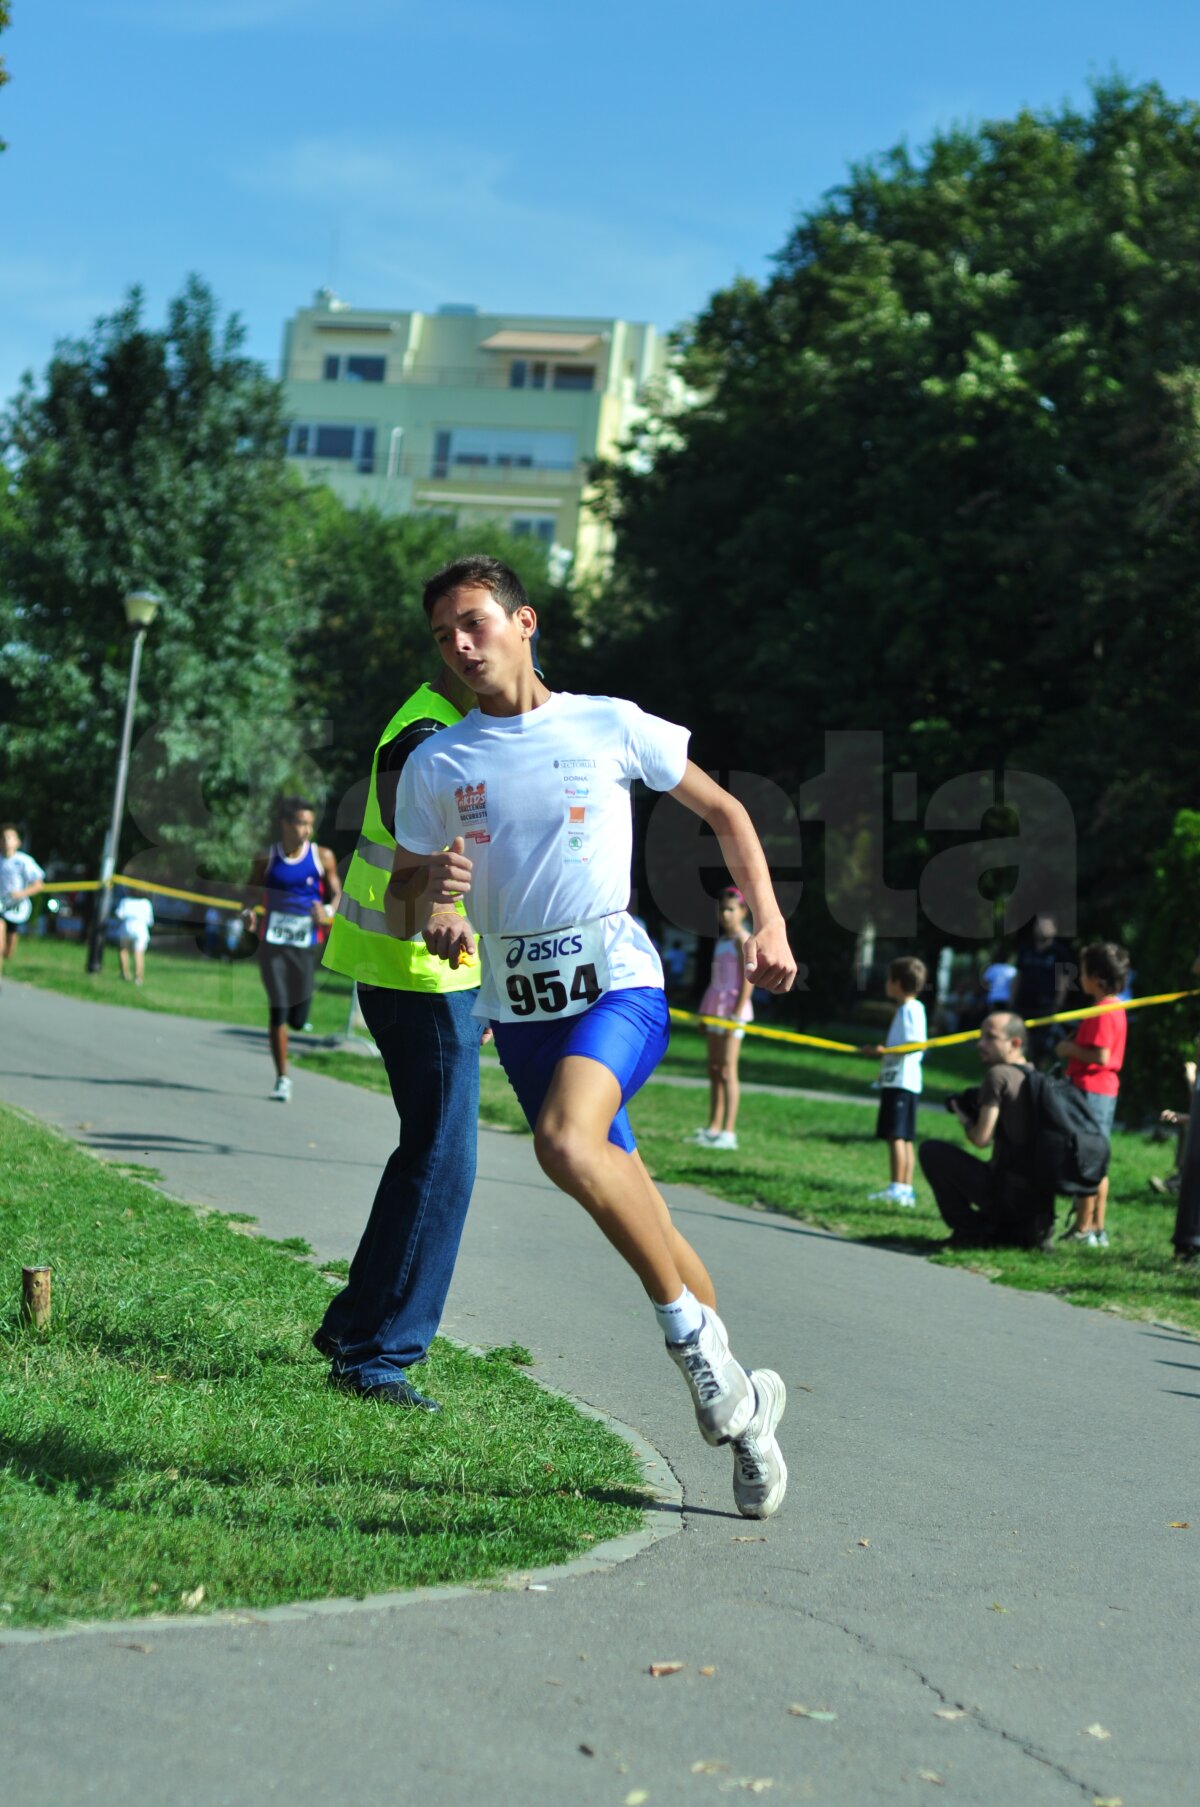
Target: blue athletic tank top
[(293, 886)]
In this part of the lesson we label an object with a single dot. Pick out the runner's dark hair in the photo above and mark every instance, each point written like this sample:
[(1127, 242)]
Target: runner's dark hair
[(481, 571), (291, 806)]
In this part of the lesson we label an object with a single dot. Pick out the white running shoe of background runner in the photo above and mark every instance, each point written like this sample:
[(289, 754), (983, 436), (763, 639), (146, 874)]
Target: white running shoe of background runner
[(720, 1387), (759, 1470), (283, 1090)]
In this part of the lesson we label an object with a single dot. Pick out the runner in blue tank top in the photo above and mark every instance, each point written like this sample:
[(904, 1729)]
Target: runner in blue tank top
[(302, 886)]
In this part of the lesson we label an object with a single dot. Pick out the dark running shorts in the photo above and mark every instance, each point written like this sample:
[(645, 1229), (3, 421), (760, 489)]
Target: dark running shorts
[(289, 978), (897, 1120)]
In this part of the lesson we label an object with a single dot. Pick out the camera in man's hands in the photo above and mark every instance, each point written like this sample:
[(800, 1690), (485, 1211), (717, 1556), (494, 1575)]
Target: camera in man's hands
[(967, 1102)]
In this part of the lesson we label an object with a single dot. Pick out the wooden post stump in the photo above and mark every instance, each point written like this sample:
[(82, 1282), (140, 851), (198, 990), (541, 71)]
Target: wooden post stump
[(35, 1296)]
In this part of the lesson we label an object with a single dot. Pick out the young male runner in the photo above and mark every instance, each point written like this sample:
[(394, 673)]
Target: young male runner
[(302, 886), (538, 785)]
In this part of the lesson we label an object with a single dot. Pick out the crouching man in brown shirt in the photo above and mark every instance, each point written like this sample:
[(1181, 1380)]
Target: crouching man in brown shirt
[(985, 1203)]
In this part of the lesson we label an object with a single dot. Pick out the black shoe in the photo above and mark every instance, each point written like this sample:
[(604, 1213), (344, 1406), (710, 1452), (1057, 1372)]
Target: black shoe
[(966, 1239), (393, 1392)]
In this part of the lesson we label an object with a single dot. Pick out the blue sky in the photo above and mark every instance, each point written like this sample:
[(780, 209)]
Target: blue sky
[(542, 157)]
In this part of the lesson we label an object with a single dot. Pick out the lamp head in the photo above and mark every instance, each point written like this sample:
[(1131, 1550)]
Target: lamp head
[(141, 606)]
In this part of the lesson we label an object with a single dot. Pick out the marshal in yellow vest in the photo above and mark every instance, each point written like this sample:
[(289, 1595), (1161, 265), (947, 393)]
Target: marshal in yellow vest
[(359, 944)]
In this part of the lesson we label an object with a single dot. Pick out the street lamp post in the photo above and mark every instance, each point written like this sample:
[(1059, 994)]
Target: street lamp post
[(141, 606)]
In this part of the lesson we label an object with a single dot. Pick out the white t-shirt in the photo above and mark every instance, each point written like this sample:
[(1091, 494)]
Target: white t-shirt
[(135, 914), (904, 1070), (543, 801), (16, 871)]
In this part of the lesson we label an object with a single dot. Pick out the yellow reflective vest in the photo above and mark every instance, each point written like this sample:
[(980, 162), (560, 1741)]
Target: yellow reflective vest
[(359, 944)]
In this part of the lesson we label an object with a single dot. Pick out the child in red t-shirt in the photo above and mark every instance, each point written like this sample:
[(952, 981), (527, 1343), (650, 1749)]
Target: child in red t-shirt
[(1094, 1059)]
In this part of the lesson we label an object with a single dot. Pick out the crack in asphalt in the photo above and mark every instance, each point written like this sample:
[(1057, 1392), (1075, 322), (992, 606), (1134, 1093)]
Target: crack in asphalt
[(1026, 1748)]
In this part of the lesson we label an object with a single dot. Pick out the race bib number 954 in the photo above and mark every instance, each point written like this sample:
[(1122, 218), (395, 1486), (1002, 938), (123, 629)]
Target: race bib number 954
[(556, 974)]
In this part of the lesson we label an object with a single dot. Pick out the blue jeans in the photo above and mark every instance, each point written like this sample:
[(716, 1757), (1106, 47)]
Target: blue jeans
[(386, 1316)]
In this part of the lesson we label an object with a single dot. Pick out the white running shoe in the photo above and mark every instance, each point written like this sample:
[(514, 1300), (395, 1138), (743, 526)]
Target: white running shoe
[(724, 1138), (759, 1470), (703, 1137), (720, 1386), (283, 1090), (889, 1195)]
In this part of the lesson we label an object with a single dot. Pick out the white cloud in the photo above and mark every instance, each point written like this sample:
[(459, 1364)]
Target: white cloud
[(451, 221)]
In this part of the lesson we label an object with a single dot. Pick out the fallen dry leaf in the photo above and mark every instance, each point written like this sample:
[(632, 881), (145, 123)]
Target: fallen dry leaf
[(1098, 1731), (751, 1784), (1107, 1800), (864, 1543), (931, 1775), (666, 1668), (809, 1712), (949, 1713), (1179, 1524), (708, 1669), (635, 1797), (996, 1607), (711, 1766), (194, 1598), (552, 1681), (749, 1540)]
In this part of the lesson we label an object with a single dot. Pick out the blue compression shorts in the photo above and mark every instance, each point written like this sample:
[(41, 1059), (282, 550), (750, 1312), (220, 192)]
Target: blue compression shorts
[(626, 1031)]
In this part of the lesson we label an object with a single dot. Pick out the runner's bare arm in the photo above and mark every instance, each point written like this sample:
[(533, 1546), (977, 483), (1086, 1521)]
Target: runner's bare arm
[(256, 882), (769, 960), (323, 912)]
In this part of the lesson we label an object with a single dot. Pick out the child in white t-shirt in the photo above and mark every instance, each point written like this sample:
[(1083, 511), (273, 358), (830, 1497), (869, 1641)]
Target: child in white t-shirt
[(136, 917), (525, 806), (21, 879), (900, 1078)]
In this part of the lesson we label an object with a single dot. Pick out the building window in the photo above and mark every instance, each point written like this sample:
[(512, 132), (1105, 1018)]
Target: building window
[(533, 527), (354, 369), (502, 448), (346, 444), (574, 376), (335, 442), (524, 375)]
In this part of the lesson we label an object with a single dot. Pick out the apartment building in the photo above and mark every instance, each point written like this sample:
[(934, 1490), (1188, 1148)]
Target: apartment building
[(481, 417)]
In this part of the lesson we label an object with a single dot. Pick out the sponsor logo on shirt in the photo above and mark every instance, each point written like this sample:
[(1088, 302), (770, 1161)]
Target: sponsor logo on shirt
[(575, 765), (472, 805), (559, 947), (577, 812)]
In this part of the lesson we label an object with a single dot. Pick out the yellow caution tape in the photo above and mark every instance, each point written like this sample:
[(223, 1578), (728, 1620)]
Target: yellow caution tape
[(143, 884), (937, 1041)]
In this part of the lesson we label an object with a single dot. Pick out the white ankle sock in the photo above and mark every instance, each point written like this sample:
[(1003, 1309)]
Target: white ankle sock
[(678, 1320)]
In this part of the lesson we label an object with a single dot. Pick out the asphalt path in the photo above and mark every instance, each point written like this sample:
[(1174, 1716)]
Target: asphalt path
[(975, 1569)]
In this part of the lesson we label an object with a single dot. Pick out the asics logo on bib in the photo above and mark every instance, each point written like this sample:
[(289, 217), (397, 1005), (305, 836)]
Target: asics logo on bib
[(557, 948)]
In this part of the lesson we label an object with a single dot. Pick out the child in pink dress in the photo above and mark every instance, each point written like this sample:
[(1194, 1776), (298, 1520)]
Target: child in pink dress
[(728, 995)]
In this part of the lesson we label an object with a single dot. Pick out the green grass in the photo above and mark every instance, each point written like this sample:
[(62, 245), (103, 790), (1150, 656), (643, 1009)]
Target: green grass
[(816, 1161), (182, 982), (172, 1430)]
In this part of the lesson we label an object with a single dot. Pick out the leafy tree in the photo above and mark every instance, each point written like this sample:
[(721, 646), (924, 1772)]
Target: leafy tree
[(4, 21), (1167, 940), (149, 457), (943, 480)]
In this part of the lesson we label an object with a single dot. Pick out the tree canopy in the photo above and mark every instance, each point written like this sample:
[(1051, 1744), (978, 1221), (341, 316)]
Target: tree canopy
[(149, 457), (942, 480)]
